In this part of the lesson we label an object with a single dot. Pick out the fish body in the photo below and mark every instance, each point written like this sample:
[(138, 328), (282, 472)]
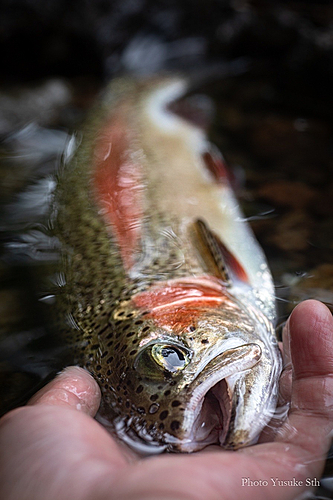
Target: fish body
[(162, 286)]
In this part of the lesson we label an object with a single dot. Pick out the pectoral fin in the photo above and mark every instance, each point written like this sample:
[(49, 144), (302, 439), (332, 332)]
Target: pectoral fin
[(218, 260)]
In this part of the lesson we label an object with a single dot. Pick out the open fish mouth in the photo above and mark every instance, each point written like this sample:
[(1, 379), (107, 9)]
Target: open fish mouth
[(210, 408), (211, 417)]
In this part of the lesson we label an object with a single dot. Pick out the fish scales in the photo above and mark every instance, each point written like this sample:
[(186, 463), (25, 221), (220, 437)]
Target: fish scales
[(166, 294)]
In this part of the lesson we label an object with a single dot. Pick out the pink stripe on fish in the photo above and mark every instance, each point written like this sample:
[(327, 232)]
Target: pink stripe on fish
[(177, 304), (118, 184)]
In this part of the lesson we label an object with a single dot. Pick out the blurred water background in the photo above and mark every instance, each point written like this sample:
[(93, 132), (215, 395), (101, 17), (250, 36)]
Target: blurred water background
[(266, 71)]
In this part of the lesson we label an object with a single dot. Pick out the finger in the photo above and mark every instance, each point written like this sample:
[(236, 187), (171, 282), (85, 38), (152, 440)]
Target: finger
[(298, 453), (53, 445), (56, 453), (310, 422), (311, 340), (73, 388)]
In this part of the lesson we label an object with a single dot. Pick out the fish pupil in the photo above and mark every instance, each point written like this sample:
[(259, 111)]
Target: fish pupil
[(175, 359)]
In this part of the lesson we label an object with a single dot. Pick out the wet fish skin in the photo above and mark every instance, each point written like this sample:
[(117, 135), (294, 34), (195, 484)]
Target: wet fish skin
[(162, 287)]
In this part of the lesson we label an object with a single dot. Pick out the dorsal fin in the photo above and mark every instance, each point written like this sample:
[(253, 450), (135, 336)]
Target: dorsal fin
[(216, 256)]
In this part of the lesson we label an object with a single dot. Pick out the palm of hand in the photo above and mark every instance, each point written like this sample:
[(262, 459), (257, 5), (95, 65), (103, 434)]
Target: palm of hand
[(58, 451)]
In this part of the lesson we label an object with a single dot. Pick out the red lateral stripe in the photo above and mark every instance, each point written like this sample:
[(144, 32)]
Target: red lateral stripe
[(176, 319), (118, 184), (177, 305), (166, 294)]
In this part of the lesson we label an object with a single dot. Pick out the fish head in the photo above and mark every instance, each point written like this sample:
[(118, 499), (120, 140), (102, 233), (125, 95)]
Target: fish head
[(199, 374)]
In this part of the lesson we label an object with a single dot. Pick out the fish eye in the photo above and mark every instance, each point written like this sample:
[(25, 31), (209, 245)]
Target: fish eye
[(170, 358), (158, 360)]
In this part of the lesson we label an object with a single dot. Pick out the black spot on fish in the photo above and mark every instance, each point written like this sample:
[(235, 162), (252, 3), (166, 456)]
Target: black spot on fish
[(175, 425), (154, 397), (133, 352), (139, 389), (164, 414), (100, 332), (175, 403), (161, 426), (205, 341), (110, 359), (167, 393)]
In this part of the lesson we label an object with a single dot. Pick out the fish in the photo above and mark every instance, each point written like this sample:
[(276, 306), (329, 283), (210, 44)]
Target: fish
[(162, 287)]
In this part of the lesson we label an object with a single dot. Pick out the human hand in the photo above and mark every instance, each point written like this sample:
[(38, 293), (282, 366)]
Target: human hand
[(54, 449)]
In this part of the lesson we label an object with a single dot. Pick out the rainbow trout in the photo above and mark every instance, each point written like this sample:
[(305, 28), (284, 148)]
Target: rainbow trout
[(163, 286)]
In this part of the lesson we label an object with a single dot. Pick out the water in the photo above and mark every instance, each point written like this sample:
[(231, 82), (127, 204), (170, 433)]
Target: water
[(272, 121)]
